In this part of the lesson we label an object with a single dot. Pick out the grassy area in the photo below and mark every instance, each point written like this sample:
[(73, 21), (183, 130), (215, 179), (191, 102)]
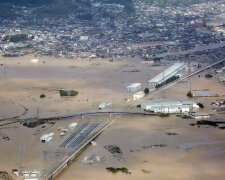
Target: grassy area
[(113, 149), (164, 115), (68, 93), (208, 75), (146, 171)]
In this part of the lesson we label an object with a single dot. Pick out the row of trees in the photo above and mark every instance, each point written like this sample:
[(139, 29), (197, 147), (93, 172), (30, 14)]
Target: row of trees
[(208, 75), (173, 78), (68, 93)]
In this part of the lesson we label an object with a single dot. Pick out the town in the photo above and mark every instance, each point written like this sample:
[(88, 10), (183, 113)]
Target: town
[(109, 32)]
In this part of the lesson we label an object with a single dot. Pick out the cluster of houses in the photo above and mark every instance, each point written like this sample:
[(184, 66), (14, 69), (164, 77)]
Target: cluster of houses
[(112, 33)]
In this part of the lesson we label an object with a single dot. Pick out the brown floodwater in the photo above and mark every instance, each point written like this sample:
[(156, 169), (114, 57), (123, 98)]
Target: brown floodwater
[(195, 153)]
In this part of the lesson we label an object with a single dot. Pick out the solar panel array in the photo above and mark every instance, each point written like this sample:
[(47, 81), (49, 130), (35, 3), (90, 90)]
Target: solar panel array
[(83, 135), (81, 128)]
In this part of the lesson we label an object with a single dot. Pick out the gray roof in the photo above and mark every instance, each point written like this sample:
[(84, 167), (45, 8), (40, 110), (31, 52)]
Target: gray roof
[(166, 74)]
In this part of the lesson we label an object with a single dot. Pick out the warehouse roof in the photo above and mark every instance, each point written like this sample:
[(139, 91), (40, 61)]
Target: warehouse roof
[(172, 104), (134, 85), (166, 74)]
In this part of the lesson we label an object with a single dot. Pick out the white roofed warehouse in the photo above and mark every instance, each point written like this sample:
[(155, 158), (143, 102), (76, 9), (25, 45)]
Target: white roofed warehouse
[(170, 107), (166, 74), (134, 87)]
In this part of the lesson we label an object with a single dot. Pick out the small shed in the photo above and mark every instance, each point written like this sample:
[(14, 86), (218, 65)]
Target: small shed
[(72, 126), (134, 87)]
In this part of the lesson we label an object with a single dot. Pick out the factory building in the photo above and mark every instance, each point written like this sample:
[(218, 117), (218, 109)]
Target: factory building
[(166, 74), (134, 87), (170, 107)]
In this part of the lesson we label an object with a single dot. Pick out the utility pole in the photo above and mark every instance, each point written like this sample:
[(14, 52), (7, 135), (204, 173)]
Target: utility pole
[(38, 112), (69, 93), (22, 156)]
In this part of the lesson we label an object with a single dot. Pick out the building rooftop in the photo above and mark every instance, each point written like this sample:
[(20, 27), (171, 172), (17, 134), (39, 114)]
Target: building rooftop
[(169, 72), (169, 103)]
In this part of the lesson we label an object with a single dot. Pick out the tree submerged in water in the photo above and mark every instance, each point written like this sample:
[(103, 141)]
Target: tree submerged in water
[(115, 170), (190, 94), (68, 93)]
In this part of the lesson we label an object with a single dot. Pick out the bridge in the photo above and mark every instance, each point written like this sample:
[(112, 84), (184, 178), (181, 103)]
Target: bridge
[(110, 113)]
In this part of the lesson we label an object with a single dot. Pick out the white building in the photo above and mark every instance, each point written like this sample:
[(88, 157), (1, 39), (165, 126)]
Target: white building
[(84, 38), (34, 60), (134, 87), (46, 137), (138, 95), (170, 107), (72, 126)]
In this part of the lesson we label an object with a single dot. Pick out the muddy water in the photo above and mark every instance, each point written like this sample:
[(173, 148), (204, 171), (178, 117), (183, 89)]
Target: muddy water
[(99, 80), (195, 153), (22, 82), (203, 160)]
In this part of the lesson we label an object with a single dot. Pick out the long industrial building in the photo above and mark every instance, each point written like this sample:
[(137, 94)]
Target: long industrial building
[(170, 107), (166, 74)]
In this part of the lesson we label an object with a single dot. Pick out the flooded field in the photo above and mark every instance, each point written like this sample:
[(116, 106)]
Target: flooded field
[(98, 80), (194, 153), (152, 147), (186, 152)]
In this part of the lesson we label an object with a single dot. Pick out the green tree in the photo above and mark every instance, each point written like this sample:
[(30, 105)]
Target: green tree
[(146, 91), (189, 94)]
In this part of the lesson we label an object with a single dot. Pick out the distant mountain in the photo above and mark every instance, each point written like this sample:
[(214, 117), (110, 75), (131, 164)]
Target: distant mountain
[(27, 2), (6, 11), (56, 8)]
